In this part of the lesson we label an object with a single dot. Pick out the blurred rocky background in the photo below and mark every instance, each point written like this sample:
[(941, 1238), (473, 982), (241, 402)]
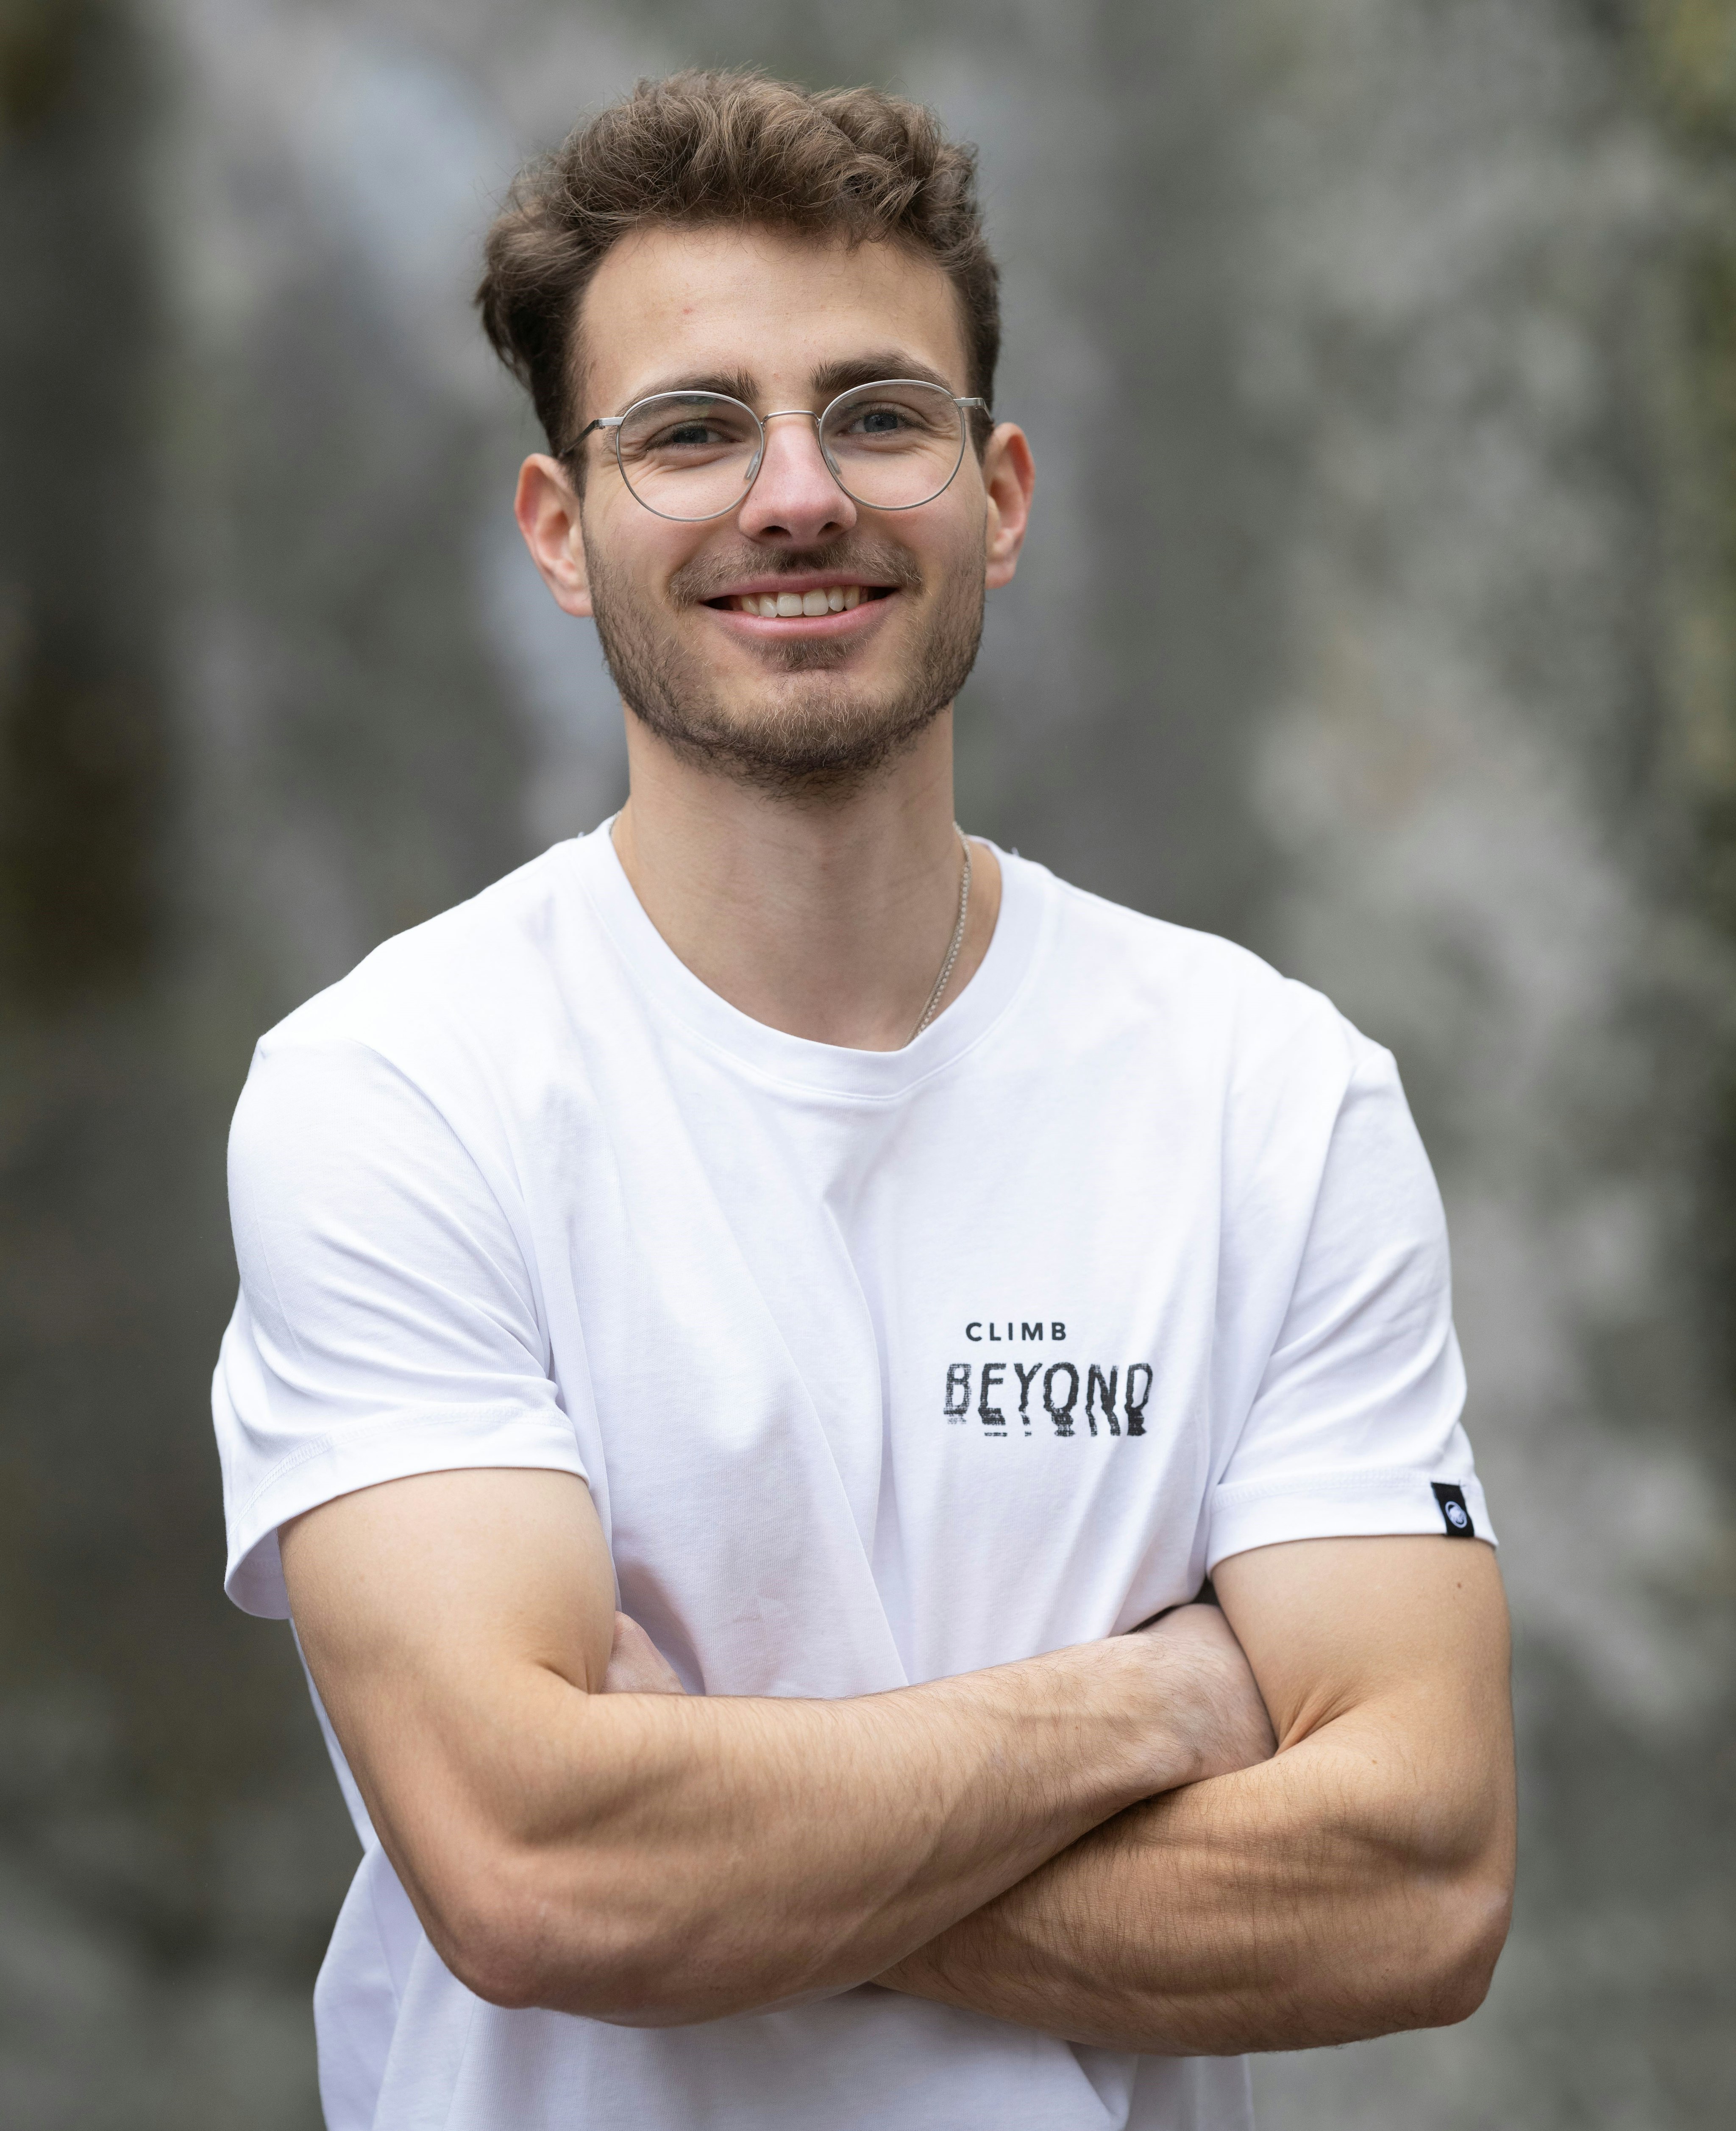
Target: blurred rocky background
[(1380, 361)]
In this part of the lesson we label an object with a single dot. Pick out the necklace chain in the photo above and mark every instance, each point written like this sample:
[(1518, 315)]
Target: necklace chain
[(939, 993)]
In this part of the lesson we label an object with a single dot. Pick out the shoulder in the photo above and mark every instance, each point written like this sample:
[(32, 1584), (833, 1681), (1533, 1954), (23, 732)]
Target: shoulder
[(477, 976), (437, 1024), (1204, 998)]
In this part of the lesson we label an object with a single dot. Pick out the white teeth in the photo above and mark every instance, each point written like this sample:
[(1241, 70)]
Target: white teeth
[(834, 598)]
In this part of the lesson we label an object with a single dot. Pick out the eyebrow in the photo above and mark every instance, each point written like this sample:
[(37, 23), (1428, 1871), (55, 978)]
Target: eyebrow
[(832, 378), (828, 381), (730, 384)]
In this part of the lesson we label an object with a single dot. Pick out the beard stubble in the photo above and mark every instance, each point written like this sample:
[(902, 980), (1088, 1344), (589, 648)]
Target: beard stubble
[(819, 743)]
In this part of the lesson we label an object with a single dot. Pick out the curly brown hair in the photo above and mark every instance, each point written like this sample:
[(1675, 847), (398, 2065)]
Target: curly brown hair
[(700, 147)]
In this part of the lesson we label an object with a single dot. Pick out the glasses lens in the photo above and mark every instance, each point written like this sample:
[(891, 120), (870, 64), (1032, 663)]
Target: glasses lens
[(688, 454), (895, 445)]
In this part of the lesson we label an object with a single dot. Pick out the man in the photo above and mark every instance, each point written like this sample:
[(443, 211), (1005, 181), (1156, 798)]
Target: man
[(889, 1276)]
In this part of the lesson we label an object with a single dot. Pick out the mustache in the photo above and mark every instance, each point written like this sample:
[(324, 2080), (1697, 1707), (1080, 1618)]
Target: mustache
[(709, 575)]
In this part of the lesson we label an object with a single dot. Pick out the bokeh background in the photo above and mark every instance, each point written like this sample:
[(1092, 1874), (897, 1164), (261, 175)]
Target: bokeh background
[(1380, 361)]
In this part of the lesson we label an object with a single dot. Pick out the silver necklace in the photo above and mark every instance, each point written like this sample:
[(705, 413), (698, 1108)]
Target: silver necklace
[(944, 978)]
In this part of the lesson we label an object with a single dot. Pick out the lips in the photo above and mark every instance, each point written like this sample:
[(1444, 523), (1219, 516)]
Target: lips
[(839, 594)]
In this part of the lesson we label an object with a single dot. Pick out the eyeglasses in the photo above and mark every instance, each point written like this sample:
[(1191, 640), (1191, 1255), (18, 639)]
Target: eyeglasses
[(890, 446)]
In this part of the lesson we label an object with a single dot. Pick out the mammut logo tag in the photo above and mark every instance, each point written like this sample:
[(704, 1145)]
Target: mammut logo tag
[(1454, 1514)]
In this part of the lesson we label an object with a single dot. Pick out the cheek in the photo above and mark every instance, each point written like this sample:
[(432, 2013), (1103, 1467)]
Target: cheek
[(962, 511), (954, 554), (631, 552)]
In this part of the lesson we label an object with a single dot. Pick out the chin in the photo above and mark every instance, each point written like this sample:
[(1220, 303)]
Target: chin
[(821, 745)]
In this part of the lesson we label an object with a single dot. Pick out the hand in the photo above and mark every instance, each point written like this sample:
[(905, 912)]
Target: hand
[(1220, 1710), (637, 1666)]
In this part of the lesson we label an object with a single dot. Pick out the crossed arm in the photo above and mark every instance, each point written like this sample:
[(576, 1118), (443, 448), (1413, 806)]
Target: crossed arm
[(1098, 1843)]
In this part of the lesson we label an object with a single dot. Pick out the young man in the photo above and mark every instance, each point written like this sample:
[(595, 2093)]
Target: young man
[(889, 1276)]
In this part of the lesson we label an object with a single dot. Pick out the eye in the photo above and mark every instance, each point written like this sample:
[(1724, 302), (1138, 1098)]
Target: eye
[(882, 420), (688, 434), (684, 429), (910, 414)]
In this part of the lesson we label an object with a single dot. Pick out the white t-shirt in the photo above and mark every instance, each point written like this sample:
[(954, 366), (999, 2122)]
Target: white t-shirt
[(881, 1366)]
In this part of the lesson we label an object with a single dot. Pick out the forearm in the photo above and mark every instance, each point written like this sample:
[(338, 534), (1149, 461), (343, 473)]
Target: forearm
[(1330, 1893), (654, 1859), (572, 1837)]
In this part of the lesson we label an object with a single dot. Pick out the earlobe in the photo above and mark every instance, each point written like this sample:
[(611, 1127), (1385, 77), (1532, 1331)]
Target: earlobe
[(1008, 475), (548, 516)]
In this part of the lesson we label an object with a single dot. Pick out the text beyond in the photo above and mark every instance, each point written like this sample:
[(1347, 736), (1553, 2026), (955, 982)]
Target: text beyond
[(1059, 1388)]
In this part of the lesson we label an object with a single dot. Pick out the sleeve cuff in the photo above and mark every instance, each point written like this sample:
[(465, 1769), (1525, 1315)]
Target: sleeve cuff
[(1344, 1506), (366, 1455)]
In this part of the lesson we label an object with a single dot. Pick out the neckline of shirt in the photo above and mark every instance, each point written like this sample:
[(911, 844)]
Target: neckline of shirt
[(656, 969)]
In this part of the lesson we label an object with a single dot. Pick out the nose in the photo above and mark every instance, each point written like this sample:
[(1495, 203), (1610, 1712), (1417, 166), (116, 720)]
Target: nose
[(793, 496)]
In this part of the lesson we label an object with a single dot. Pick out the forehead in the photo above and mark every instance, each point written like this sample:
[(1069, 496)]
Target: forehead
[(768, 304)]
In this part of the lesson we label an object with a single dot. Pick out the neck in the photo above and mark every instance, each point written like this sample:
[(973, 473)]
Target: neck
[(828, 920)]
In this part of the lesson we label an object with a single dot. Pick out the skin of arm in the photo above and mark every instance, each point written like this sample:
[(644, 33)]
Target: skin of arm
[(1358, 1883), (652, 1858)]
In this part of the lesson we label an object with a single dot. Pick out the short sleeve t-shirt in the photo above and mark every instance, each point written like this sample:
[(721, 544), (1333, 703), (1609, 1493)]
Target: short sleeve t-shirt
[(880, 1367)]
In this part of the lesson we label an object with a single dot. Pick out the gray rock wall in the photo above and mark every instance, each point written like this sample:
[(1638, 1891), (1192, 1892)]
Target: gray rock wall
[(1379, 358)]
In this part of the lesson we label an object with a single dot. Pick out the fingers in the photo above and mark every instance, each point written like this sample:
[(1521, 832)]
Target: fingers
[(636, 1665)]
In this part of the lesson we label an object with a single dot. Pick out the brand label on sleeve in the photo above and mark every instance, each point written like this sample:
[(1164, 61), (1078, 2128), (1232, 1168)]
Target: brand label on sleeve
[(1454, 1514)]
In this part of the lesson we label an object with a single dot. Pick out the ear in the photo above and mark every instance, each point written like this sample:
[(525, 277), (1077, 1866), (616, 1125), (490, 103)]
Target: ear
[(546, 508), (1008, 476)]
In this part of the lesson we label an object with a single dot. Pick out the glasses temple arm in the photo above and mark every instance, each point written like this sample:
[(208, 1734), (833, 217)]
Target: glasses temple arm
[(602, 422)]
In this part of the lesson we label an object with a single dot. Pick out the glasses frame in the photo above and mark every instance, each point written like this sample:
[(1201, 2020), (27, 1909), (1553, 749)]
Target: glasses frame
[(611, 424)]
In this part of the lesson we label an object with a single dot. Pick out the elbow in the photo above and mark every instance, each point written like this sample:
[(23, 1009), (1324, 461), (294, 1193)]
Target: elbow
[(496, 1971), (1460, 1930), (1453, 1907), (1430, 1966), (516, 1938), (492, 1945), (504, 1958), (1475, 1919)]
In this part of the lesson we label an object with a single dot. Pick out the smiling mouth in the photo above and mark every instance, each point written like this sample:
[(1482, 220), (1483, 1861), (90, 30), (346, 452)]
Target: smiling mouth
[(789, 606)]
